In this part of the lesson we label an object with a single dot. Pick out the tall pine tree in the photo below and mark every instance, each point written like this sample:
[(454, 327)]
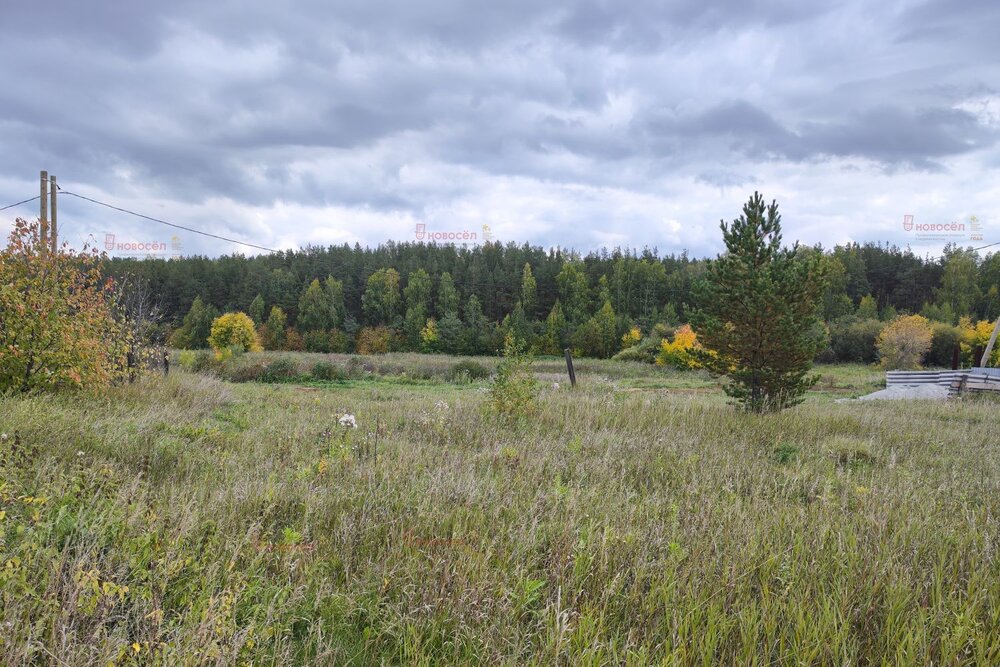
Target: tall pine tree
[(758, 310)]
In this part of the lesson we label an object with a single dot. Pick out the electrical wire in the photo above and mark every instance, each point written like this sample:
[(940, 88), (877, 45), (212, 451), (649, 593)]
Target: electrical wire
[(164, 222), (982, 247), (4, 208)]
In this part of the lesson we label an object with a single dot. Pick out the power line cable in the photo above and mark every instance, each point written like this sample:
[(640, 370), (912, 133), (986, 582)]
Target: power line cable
[(19, 203), (982, 247), (164, 222)]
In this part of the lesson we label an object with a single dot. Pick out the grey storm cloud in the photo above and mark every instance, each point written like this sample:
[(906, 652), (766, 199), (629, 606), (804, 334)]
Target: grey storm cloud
[(569, 123)]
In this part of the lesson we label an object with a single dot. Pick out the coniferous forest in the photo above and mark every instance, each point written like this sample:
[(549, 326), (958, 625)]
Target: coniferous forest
[(444, 298)]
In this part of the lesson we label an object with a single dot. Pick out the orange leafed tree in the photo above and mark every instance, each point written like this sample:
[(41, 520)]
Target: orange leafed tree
[(57, 329)]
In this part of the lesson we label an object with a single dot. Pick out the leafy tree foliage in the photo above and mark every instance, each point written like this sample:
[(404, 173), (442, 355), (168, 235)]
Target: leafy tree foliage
[(196, 327), (374, 340), (233, 332), (555, 330), (418, 298), (867, 308), (381, 300), (57, 326), (644, 288), (679, 352), (904, 342), (598, 337), (315, 312), (529, 291), (256, 310), (513, 392), (272, 334), (573, 292), (959, 280)]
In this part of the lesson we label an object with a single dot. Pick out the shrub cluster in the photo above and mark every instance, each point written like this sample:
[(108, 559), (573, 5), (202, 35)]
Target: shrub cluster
[(468, 370)]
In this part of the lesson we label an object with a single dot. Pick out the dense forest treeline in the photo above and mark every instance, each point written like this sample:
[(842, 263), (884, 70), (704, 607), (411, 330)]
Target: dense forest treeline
[(462, 299)]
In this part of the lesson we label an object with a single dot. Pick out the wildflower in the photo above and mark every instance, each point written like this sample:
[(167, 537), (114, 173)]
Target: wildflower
[(3, 436), (348, 421), (555, 385), (79, 452), (441, 405)]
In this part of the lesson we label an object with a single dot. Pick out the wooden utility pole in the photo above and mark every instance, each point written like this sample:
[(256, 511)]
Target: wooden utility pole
[(54, 229), (989, 346), (569, 367), (43, 213)]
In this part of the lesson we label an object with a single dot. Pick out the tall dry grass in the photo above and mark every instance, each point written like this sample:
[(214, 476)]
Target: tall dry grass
[(611, 527)]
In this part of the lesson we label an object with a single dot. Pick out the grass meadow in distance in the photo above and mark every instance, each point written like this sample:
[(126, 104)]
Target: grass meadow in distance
[(635, 520)]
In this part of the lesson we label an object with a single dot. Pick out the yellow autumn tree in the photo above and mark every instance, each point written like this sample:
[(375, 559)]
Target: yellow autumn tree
[(233, 332), (57, 327), (677, 352), (631, 337), (904, 342), (975, 337)]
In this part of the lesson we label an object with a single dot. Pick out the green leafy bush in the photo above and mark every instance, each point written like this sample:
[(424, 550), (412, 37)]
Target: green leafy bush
[(514, 390), (945, 339), (197, 361), (243, 372), (468, 370), (327, 371), (282, 369), (903, 344)]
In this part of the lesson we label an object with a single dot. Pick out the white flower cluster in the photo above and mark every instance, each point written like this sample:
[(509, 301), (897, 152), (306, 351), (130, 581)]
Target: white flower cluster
[(348, 421), (3, 436)]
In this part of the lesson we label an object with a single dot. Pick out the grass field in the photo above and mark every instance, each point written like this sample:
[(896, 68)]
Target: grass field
[(637, 519)]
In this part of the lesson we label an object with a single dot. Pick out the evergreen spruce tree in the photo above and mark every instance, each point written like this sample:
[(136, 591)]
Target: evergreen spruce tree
[(447, 301), (450, 331), (757, 311), (477, 328)]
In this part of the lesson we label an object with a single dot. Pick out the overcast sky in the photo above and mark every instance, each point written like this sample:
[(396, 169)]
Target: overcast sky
[(572, 124)]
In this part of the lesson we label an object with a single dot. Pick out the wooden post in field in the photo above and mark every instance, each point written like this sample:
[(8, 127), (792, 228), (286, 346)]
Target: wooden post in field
[(43, 207), (569, 367), (989, 346), (955, 358), (54, 227)]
